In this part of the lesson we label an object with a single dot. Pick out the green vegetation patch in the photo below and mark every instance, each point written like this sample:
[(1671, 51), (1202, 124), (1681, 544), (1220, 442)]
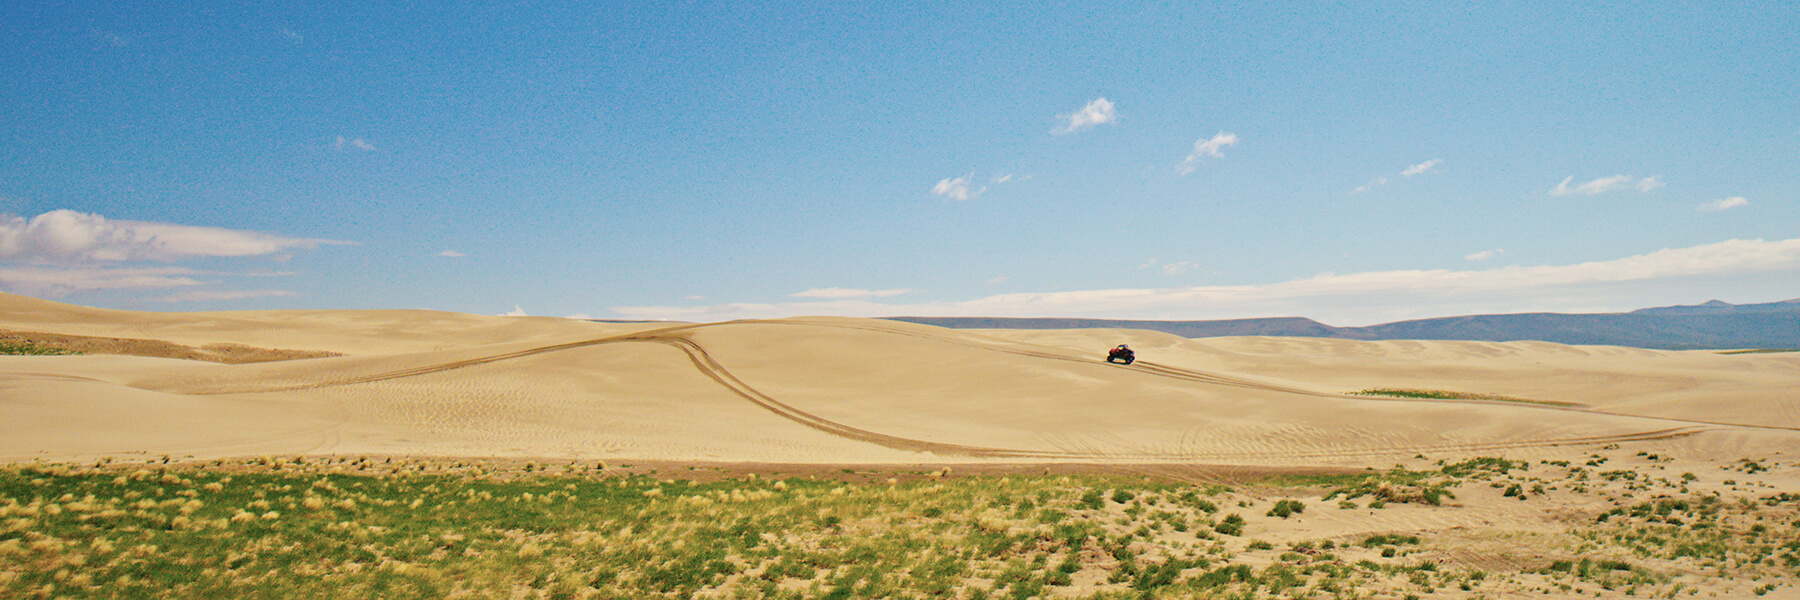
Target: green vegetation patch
[(1449, 395), (341, 527), (15, 348)]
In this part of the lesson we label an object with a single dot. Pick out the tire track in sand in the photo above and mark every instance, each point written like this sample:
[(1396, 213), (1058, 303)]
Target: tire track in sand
[(678, 337)]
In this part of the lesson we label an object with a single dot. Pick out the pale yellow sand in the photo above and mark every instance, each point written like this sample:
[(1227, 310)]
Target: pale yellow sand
[(833, 390)]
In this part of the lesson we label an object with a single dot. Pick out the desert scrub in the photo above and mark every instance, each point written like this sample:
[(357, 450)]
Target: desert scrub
[(317, 528), (1449, 395), (287, 528), (1287, 508), (17, 348)]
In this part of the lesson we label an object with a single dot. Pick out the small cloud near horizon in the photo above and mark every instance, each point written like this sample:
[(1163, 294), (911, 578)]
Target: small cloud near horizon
[(846, 293), (1484, 255), (1422, 168), (1174, 268), (1377, 182), (451, 254), (515, 312), (343, 144), (957, 188), (1098, 112), (1724, 204), (218, 295), (1212, 147), (72, 237), (1607, 184)]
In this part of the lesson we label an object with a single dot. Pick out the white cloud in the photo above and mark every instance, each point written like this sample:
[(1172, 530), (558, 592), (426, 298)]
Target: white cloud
[(343, 144), (64, 280), (1483, 255), (845, 293), (515, 312), (1606, 184), (67, 236), (1377, 182), (957, 188), (579, 316), (1098, 112), (1421, 168), (1002, 178), (451, 254), (1736, 267), (1724, 204), (1177, 268), (695, 297), (1207, 147), (216, 295), (998, 280)]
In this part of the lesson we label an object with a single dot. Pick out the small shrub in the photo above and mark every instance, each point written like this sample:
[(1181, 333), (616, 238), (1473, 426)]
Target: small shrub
[(1286, 508), (1231, 525)]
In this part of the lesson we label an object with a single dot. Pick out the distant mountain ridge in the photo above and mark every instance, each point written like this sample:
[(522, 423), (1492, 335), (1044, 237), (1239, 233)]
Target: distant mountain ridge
[(1711, 325)]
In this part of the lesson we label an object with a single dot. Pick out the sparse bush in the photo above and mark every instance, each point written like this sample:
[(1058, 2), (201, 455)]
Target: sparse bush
[(1233, 524), (1286, 508)]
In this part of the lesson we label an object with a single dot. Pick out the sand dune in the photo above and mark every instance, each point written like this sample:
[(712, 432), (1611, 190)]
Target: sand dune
[(834, 390)]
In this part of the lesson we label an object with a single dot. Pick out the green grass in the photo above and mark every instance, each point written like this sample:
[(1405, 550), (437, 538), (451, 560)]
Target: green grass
[(333, 528), (9, 348)]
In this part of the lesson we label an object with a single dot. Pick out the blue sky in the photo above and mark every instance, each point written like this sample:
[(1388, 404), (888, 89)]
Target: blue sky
[(1355, 163)]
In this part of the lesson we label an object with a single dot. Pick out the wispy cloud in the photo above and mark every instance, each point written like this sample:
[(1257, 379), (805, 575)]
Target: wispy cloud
[(1422, 168), (1724, 204), (451, 254), (1483, 255), (1212, 147), (67, 236), (957, 188), (219, 295), (343, 144), (1418, 169), (64, 252), (64, 280), (999, 279), (1372, 184), (1606, 184), (845, 293), (1098, 112), (1357, 298), (1174, 268), (515, 312)]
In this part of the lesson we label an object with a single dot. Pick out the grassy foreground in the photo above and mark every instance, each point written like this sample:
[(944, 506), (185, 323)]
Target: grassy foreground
[(338, 528)]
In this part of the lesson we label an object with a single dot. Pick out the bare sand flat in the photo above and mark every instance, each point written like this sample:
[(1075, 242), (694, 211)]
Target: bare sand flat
[(836, 390)]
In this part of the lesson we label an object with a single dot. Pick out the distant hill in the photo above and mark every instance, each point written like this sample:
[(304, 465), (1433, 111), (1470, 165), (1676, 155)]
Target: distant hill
[(1712, 325), (1715, 307)]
